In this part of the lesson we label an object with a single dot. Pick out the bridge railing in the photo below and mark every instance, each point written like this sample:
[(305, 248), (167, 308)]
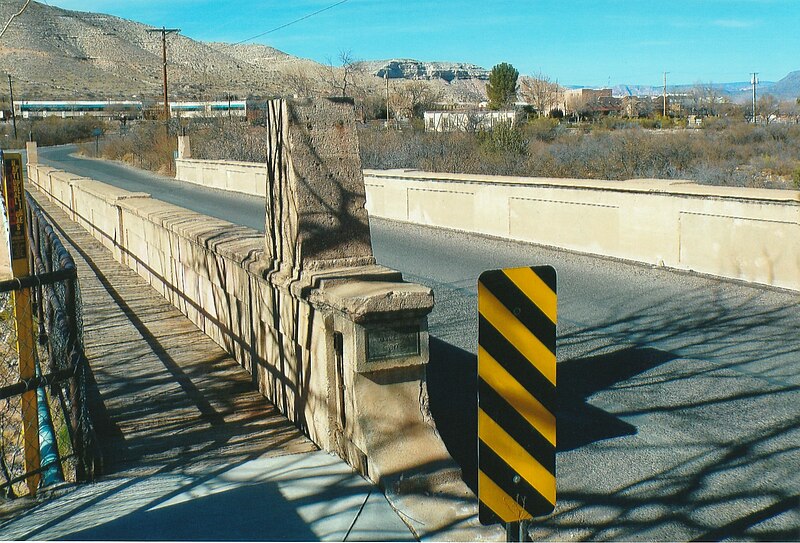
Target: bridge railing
[(67, 444)]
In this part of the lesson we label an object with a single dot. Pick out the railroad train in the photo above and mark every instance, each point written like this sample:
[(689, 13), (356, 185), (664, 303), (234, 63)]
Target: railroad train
[(128, 109)]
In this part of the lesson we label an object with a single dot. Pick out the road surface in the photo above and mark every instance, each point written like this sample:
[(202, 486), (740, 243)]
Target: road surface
[(679, 394)]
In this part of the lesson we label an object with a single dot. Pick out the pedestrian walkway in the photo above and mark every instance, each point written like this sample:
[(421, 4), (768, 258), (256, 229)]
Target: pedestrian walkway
[(191, 450)]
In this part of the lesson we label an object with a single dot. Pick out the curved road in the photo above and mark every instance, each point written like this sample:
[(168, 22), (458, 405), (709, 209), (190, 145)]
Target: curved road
[(678, 393)]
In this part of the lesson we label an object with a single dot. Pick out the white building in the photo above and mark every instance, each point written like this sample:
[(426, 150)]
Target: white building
[(466, 121)]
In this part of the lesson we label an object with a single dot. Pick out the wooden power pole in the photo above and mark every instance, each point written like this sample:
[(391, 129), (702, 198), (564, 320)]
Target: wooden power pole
[(164, 31)]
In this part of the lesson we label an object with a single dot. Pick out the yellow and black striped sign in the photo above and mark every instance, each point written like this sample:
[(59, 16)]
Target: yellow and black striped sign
[(516, 394)]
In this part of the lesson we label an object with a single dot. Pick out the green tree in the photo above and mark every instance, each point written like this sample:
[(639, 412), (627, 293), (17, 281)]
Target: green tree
[(502, 86)]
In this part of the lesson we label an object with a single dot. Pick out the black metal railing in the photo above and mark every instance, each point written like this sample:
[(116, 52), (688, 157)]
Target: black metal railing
[(62, 368)]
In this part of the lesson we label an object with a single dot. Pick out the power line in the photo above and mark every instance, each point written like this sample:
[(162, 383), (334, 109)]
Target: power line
[(17, 14), (304, 17)]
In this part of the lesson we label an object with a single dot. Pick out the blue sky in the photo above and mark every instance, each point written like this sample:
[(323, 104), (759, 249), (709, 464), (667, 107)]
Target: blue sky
[(588, 42)]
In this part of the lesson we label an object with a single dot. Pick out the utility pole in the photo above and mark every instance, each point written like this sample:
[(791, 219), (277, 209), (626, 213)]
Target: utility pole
[(13, 115), (164, 32), (665, 93), (386, 78), (754, 82)]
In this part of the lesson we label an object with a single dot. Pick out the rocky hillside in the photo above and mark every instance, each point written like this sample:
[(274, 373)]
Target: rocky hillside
[(787, 88), (417, 70), (52, 53)]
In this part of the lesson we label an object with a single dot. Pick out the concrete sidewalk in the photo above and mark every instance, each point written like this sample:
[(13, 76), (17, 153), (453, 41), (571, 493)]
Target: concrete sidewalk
[(192, 451)]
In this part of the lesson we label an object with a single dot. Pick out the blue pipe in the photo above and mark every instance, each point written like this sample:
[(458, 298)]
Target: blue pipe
[(48, 447)]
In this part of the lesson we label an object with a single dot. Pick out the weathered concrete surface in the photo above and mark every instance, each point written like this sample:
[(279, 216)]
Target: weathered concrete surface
[(316, 214), (740, 233)]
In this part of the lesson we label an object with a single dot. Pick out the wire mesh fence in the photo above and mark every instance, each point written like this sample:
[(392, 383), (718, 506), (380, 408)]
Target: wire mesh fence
[(46, 435)]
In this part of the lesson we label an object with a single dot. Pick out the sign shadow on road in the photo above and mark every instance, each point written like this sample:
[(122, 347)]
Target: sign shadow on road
[(452, 386)]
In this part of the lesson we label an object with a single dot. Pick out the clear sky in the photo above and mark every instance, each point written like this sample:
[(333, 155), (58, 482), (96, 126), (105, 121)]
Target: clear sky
[(586, 42)]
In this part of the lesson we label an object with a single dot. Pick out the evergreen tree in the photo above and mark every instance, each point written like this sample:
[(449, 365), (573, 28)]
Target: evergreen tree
[(502, 86)]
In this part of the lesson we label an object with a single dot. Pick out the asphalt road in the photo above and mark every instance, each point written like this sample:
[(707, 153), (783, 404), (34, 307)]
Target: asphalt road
[(679, 394)]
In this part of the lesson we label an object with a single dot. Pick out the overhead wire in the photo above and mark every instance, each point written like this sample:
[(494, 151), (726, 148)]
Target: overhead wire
[(14, 17), (304, 17)]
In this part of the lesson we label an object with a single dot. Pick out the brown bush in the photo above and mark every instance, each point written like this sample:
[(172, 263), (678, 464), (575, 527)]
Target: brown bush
[(146, 145)]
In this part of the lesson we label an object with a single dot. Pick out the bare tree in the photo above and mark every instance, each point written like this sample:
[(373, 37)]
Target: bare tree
[(412, 98), (472, 92), (300, 82), (540, 91), (768, 106), (339, 79), (705, 98)]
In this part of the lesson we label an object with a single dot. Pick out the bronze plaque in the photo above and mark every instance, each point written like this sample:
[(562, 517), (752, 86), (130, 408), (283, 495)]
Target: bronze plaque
[(388, 343)]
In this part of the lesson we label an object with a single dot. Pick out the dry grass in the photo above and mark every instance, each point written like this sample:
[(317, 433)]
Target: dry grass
[(145, 144)]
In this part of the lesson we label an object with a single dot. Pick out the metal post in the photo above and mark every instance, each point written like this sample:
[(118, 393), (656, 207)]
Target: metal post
[(79, 433), (517, 531), (754, 81), (13, 115)]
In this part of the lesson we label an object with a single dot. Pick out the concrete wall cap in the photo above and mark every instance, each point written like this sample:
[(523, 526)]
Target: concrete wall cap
[(200, 162), (105, 192), (667, 186), (360, 300), (150, 208)]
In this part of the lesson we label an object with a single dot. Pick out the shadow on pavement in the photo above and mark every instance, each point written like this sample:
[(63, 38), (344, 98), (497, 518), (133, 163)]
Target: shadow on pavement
[(452, 386), (227, 516)]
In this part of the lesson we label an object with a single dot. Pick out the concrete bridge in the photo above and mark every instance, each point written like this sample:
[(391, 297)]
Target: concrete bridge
[(340, 344)]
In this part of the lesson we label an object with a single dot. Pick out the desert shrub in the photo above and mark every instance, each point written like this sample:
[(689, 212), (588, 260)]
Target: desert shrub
[(542, 129), (145, 145), (50, 131), (224, 139), (503, 138)]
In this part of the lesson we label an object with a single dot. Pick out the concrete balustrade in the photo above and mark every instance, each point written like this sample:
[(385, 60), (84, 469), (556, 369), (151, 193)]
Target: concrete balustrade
[(338, 343), (739, 233)]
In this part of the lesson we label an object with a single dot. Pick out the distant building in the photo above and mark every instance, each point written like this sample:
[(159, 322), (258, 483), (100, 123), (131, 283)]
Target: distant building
[(577, 100), (466, 121)]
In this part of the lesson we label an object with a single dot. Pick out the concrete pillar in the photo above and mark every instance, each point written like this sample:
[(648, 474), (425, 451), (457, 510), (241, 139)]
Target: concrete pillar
[(316, 215), (32, 151), (184, 149), (317, 234)]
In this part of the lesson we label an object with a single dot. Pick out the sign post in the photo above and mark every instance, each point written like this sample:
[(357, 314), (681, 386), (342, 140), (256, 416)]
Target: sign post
[(14, 196), (517, 314)]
